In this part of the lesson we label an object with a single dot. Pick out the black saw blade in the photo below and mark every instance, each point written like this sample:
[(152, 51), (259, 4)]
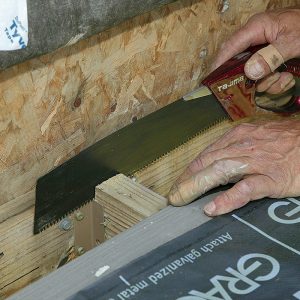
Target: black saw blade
[(72, 184)]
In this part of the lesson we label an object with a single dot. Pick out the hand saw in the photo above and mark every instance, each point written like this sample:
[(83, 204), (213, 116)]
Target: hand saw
[(237, 94), (128, 150), (131, 148)]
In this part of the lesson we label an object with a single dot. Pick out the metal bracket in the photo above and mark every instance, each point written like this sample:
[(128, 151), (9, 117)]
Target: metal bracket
[(88, 227)]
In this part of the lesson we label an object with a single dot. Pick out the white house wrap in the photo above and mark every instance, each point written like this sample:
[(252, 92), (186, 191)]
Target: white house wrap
[(13, 25)]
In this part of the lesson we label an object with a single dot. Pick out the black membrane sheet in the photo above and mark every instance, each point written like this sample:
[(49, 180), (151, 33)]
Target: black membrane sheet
[(251, 254)]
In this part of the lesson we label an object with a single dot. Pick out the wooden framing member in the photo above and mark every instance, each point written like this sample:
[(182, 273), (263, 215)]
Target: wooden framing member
[(125, 203)]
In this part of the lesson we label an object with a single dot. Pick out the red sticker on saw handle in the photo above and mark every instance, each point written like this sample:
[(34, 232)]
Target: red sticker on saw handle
[(236, 92)]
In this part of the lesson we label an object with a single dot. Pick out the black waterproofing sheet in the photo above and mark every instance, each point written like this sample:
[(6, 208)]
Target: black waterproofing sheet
[(253, 253)]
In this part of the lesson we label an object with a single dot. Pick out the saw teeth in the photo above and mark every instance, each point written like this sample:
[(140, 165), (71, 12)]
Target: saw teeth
[(45, 218), (218, 122), (53, 222), (40, 229)]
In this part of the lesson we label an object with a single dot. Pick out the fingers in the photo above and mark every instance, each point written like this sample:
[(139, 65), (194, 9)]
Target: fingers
[(266, 60), (206, 158), (284, 83), (219, 150), (279, 29), (249, 35), (267, 82), (263, 62), (251, 188), (220, 172), (231, 136), (276, 83)]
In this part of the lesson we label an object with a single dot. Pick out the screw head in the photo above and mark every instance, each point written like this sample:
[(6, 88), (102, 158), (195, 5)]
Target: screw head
[(80, 250), (65, 224), (79, 215)]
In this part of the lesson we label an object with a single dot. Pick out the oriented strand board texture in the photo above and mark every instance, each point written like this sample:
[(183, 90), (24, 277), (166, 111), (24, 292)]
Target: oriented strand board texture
[(56, 105)]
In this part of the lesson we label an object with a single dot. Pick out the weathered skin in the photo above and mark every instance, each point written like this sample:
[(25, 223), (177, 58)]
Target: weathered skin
[(262, 158), (281, 29)]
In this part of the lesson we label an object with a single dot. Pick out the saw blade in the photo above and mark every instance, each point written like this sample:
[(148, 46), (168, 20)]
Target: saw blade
[(71, 185), (200, 92)]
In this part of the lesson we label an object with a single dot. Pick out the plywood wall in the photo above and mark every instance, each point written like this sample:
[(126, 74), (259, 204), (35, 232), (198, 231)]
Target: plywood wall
[(56, 105)]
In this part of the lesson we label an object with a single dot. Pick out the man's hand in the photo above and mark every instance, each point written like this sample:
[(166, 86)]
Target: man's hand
[(279, 28), (263, 159)]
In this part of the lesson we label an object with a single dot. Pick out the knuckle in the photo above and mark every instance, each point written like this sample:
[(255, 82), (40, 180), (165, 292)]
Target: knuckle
[(219, 165), (224, 202), (241, 128), (207, 158), (256, 18), (197, 164), (221, 171), (242, 191), (227, 197), (244, 143), (245, 187)]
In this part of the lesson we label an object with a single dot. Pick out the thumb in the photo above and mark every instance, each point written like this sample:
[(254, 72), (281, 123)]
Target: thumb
[(264, 61)]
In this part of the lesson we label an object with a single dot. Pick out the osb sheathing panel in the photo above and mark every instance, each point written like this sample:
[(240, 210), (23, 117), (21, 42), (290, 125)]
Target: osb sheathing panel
[(56, 105)]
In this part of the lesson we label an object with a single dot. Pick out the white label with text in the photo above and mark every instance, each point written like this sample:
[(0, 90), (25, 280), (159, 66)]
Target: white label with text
[(13, 25), (239, 281)]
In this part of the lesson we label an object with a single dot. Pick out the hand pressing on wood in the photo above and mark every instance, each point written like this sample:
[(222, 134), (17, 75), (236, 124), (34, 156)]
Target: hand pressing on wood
[(261, 159), (281, 29)]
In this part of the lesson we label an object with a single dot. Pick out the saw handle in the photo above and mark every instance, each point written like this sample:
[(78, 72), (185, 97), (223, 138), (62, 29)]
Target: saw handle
[(293, 66), (293, 105)]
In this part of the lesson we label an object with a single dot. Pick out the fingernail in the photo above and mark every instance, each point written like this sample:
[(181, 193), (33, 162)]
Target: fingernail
[(254, 69), (288, 81), (174, 197), (209, 208), (290, 85)]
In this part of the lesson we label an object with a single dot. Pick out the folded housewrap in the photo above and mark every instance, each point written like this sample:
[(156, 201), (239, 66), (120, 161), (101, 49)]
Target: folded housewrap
[(13, 25)]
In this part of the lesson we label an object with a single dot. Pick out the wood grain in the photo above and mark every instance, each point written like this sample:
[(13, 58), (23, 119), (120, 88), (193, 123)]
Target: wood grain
[(25, 256), (125, 203), (160, 175), (54, 106)]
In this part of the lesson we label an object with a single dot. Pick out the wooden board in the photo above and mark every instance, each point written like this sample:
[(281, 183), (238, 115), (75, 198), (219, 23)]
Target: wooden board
[(54, 106), (147, 235), (26, 257), (160, 175), (125, 203)]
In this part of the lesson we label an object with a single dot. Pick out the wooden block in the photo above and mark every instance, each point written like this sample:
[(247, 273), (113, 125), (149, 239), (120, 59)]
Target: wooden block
[(125, 203)]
